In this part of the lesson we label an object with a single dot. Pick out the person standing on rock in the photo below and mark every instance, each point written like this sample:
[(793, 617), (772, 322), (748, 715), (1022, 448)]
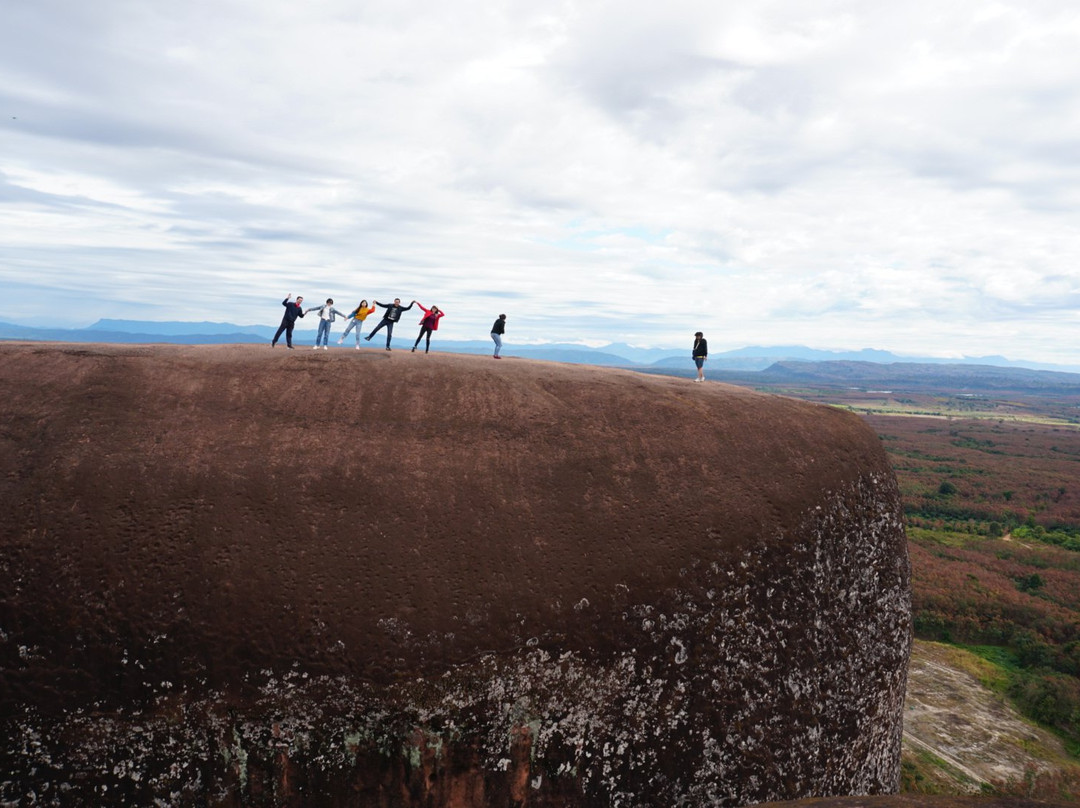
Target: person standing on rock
[(292, 311), (392, 315), (497, 330), (428, 323), (700, 354), (356, 320), (327, 315)]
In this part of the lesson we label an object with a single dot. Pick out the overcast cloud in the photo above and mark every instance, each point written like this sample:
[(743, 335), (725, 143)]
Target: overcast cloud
[(829, 173)]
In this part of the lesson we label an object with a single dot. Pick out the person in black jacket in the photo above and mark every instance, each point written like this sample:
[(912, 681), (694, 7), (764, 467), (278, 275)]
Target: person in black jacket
[(497, 330), (392, 315), (700, 354), (292, 311)]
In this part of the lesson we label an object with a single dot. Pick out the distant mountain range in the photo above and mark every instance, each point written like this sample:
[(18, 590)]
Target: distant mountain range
[(912, 377), (759, 364)]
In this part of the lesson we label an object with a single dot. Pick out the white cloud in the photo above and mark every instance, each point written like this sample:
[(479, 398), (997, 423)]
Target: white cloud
[(833, 172)]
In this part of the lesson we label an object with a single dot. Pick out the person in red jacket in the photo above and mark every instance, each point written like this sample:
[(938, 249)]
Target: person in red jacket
[(429, 323)]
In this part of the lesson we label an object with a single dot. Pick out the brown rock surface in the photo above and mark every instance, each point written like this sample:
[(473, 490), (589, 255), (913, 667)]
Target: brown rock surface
[(241, 575)]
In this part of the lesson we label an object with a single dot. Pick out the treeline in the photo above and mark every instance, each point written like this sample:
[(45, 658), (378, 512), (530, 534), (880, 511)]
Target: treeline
[(960, 519)]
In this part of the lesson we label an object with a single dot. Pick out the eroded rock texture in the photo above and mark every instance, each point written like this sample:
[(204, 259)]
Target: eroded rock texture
[(241, 576)]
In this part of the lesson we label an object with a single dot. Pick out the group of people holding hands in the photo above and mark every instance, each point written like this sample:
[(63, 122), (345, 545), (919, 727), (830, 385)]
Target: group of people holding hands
[(428, 324), (392, 314)]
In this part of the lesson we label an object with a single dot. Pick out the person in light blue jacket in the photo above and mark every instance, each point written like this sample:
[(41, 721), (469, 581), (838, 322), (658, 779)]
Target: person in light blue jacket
[(327, 315)]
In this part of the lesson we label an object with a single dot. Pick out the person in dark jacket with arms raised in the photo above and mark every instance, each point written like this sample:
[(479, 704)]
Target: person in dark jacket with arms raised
[(292, 311), (392, 315)]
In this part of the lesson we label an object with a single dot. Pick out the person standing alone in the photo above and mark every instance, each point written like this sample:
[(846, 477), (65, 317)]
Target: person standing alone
[(700, 354), (497, 330), (292, 311)]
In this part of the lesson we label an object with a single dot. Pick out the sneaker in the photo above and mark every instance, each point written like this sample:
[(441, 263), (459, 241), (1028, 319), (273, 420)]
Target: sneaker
[(414, 349), (497, 356), (289, 347), (358, 347), (340, 340), (388, 347), (325, 348), (367, 338)]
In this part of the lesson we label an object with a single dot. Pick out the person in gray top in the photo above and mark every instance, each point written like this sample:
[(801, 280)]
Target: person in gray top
[(327, 315)]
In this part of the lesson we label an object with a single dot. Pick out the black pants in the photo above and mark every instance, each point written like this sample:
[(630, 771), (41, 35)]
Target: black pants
[(424, 330), (287, 327), (389, 330)]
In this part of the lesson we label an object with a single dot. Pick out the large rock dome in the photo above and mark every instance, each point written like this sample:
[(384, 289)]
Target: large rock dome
[(242, 576)]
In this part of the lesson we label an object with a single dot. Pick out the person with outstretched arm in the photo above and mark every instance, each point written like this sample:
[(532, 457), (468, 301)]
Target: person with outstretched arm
[(700, 354), (356, 320), (391, 316), (292, 311), (497, 330), (428, 323), (327, 315)]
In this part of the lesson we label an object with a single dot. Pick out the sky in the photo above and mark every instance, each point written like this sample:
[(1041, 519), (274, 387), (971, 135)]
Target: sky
[(841, 175)]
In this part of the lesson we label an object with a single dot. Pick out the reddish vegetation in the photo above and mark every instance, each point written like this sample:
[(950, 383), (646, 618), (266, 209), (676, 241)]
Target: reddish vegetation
[(974, 590), (971, 578), (992, 507), (1002, 471)]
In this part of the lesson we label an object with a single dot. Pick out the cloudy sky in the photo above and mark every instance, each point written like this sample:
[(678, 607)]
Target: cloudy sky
[(838, 174)]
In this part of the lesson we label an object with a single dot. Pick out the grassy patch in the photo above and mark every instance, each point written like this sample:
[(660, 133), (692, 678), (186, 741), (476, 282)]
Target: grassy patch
[(990, 664)]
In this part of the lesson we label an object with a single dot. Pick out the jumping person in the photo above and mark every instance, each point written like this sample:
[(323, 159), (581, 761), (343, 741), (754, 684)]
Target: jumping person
[(356, 320), (497, 330), (327, 315), (392, 315), (700, 354), (292, 311), (429, 323)]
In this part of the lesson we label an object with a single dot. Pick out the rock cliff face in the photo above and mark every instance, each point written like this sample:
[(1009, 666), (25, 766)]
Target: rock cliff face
[(235, 575)]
